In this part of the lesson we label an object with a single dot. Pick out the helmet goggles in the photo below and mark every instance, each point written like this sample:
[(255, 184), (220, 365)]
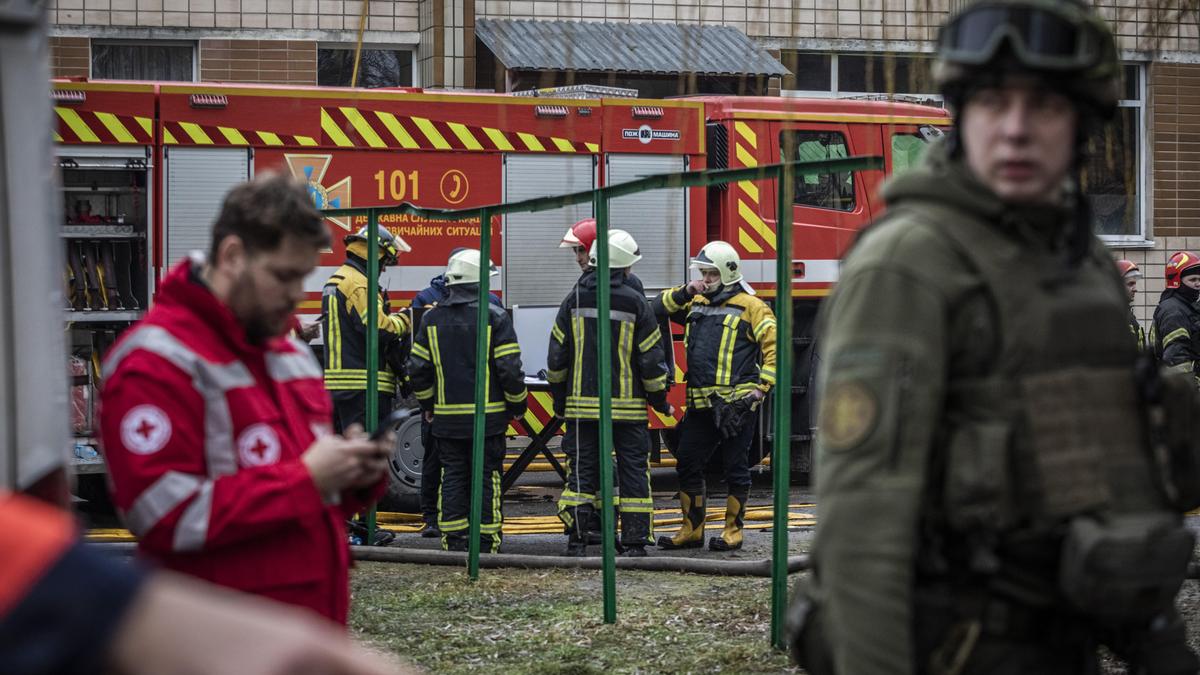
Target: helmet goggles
[(1049, 36)]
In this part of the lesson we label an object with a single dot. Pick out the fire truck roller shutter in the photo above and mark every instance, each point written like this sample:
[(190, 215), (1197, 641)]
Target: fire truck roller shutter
[(197, 180), (536, 271), (657, 219)]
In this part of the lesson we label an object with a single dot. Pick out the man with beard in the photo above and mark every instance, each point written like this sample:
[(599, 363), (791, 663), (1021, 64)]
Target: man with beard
[(216, 426)]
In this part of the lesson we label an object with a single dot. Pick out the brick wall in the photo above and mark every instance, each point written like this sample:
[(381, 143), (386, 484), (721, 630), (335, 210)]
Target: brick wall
[(1175, 144), (70, 56), (387, 16), (271, 61)]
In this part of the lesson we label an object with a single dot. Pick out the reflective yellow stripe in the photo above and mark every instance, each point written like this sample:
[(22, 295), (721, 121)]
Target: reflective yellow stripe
[(750, 189), (147, 125), (431, 132), (744, 156), (725, 351), (563, 144), (397, 130), (76, 123), (363, 127), (668, 300), (556, 376), (115, 127), (557, 334), (1175, 335), (437, 364), (577, 334), (335, 330), (517, 397), (748, 242), (498, 138), (269, 138), (531, 141), (168, 137), (195, 133), (746, 133), (234, 136), (306, 141), (506, 350), (57, 137), (333, 131), (762, 327), (466, 408), (756, 222), (767, 375), (424, 394), (464, 134), (593, 147), (420, 351), (624, 355), (651, 340)]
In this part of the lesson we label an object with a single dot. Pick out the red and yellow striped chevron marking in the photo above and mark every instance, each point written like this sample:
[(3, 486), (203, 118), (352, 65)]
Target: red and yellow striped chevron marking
[(347, 127), (538, 412), (101, 128), (753, 234), (190, 133)]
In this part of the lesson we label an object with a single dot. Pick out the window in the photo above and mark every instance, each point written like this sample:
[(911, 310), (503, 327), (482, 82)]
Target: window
[(907, 150), (174, 61), (1112, 176), (377, 68), (828, 191), (823, 74)]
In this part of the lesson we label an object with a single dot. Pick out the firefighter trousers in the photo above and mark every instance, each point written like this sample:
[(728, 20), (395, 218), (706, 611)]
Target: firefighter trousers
[(579, 505), (431, 474), (699, 437), (454, 496), (350, 407)]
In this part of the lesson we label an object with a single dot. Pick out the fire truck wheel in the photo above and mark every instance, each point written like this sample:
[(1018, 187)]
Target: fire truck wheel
[(404, 475)]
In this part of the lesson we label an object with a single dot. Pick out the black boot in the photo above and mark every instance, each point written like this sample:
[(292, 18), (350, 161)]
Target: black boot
[(575, 549), (634, 551), (457, 543), (430, 530)]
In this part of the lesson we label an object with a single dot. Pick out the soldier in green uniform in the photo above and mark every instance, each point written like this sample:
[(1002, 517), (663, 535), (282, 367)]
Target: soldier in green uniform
[(987, 500)]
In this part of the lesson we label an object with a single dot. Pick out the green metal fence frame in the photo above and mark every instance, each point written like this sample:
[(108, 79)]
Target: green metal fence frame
[(784, 173)]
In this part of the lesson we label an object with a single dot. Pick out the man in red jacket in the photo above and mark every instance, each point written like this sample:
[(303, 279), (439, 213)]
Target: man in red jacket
[(216, 426)]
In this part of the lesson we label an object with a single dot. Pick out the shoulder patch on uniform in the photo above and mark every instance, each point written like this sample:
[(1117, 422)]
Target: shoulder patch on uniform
[(849, 414), (145, 429), (258, 445)]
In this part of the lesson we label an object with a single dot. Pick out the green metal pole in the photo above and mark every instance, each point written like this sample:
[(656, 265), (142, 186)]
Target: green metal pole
[(604, 368), (481, 394), (371, 419), (781, 451)]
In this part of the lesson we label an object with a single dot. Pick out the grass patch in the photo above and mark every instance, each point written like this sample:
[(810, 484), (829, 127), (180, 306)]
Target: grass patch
[(548, 622)]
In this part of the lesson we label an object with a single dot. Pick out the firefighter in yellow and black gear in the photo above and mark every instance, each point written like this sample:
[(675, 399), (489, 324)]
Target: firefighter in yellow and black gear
[(639, 376), (344, 317), (730, 339), (1175, 330), (441, 369)]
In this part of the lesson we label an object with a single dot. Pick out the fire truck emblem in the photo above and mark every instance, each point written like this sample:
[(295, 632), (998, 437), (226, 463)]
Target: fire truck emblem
[(312, 168), (258, 446)]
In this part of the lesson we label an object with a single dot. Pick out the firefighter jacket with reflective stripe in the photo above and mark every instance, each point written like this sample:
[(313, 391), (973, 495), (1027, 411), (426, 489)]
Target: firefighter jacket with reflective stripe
[(1175, 333), (978, 395), (344, 318), (1139, 333), (203, 432), (639, 369), (441, 366), (730, 341)]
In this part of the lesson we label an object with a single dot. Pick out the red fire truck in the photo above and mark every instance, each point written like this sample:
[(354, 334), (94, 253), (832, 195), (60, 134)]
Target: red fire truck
[(145, 168)]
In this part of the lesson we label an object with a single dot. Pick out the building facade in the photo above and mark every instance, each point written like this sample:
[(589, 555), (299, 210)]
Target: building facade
[(1141, 181)]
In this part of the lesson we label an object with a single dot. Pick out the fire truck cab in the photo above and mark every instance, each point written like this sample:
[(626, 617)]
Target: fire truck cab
[(146, 166)]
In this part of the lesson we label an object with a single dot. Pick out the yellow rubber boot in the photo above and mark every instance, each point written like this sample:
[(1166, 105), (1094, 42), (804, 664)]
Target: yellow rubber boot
[(691, 535), (735, 516)]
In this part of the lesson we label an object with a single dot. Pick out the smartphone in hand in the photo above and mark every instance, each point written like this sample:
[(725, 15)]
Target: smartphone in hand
[(394, 420)]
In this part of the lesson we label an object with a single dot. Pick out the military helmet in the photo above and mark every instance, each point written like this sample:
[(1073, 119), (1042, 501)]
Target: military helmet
[(1059, 39), (623, 250), (463, 267), (390, 245), (581, 235), (1180, 265)]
